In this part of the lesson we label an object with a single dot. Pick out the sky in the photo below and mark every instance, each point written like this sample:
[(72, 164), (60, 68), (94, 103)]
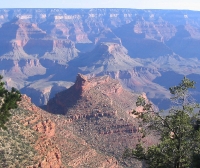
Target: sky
[(136, 4)]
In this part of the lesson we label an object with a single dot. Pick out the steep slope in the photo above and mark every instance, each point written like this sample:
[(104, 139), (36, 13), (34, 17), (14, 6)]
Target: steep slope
[(36, 139), (176, 63), (112, 59), (127, 44), (14, 61), (29, 139), (44, 90), (17, 33), (145, 38), (28, 40), (105, 57), (62, 52), (28, 53), (99, 110), (185, 43)]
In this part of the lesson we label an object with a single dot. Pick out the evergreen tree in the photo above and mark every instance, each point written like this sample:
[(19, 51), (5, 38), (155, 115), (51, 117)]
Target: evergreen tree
[(179, 133), (8, 100)]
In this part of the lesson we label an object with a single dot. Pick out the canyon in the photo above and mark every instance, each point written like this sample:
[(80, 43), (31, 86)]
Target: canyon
[(80, 72), (89, 125), (42, 50)]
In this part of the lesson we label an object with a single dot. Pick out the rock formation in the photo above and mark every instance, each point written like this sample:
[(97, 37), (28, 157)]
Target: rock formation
[(36, 139), (99, 110), (134, 46)]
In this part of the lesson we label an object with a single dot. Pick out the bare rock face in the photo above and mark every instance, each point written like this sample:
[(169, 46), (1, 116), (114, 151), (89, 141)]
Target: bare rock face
[(45, 144), (99, 110), (42, 140), (34, 146), (62, 52), (112, 59), (16, 34), (83, 85), (81, 82), (42, 90), (106, 57), (126, 44)]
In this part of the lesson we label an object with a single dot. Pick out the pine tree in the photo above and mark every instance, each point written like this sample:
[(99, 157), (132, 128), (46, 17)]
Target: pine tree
[(179, 132), (8, 101)]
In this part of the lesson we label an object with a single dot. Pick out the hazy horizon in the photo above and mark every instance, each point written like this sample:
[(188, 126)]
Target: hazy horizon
[(130, 4)]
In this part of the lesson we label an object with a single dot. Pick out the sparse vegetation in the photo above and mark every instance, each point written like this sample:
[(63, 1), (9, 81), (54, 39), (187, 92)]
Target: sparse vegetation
[(16, 142), (179, 132)]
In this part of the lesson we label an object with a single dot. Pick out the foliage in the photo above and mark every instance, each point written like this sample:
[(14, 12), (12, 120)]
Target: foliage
[(8, 100), (179, 132)]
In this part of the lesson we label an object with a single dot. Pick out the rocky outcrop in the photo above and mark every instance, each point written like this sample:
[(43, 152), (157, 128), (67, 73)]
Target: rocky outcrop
[(36, 139), (112, 59), (45, 145), (81, 83), (82, 86), (150, 28), (99, 110), (127, 44), (42, 90)]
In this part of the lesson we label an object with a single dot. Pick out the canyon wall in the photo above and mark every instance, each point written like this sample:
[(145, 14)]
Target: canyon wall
[(134, 46)]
